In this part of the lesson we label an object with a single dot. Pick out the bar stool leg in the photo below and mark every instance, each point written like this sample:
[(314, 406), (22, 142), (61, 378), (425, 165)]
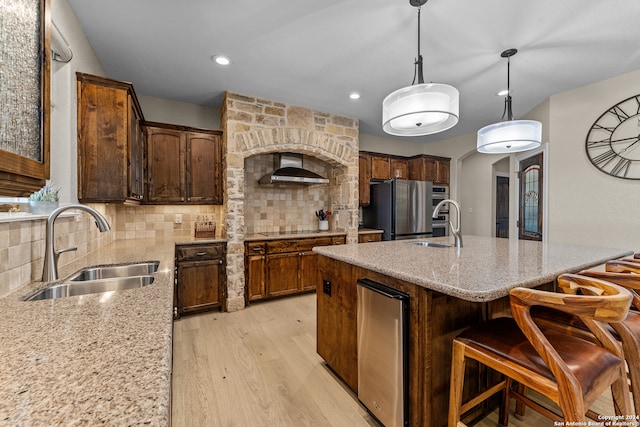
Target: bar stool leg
[(458, 362)]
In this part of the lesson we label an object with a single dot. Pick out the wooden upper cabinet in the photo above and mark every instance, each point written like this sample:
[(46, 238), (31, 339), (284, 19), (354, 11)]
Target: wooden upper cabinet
[(204, 174), (429, 168), (110, 143), (184, 165), (165, 165), (399, 168), (380, 167), (364, 179)]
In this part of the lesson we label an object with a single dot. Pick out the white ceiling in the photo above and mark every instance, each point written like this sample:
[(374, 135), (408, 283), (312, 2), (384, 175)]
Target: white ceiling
[(313, 54)]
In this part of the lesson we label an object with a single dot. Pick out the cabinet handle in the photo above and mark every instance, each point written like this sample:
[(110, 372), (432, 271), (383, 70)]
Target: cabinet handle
[(220, 262), (257, 249), (201, 253)]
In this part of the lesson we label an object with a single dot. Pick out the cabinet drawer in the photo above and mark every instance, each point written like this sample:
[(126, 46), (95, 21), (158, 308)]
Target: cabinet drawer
[(199, 252), (253, 248), (297, 245)]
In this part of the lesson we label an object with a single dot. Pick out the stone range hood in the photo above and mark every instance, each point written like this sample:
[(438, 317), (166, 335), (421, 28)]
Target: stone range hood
[(255, 127), (289, 170)]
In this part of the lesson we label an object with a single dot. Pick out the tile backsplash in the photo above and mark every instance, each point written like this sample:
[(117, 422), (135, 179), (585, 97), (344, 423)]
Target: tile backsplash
[(22, 242)]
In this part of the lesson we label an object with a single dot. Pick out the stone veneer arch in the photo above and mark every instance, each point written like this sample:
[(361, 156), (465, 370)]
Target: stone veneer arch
[(255, 126)]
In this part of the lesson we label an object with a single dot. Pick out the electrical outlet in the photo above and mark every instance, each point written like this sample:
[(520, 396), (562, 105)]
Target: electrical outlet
[(326, 287), (178, 219)]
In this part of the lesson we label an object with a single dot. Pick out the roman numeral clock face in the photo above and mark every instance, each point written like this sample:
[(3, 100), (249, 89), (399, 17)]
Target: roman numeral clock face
[(613, 142)]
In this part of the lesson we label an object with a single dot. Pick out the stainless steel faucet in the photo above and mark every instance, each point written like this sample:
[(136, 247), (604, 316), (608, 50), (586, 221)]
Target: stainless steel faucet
[(50, 268), (455, 231)]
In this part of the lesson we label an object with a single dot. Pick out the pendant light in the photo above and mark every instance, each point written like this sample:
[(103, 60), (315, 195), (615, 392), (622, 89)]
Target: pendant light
[(423, 108), (509, 136)]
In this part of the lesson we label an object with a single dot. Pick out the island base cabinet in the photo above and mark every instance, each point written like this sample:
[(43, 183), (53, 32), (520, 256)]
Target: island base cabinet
[(434, 320)]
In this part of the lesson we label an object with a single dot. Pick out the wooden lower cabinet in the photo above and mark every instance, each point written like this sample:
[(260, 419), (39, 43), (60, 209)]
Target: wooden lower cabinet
[(200, 283), (281, 267)]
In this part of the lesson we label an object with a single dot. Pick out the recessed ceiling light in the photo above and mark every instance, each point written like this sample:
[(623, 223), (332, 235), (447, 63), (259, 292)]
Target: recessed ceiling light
[(354, 95), (221, 60)]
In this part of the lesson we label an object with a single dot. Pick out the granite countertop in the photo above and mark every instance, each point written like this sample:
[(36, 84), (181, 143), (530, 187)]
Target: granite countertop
[(92, 359), (484, 269), (293, 235)]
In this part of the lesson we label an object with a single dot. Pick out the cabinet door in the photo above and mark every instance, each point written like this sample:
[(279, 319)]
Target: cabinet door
[(308, 270), (364, 180), (165, 165), (136, 154), (369, 237), (255, 277), (336, 320), (399, 168), (282, 274), (443, 172), (380, 167), (103, 134), (203, 168), (199, 285)]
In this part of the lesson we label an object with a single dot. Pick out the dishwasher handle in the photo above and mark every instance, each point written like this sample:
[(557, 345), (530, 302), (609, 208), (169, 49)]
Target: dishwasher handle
[(382, 289)]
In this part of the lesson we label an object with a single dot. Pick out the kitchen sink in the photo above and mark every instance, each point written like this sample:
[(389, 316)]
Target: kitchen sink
[(434, 244), (109, 271), (63, 290)]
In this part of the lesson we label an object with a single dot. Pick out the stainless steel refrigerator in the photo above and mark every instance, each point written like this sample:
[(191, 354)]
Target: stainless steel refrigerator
[(400, 207)]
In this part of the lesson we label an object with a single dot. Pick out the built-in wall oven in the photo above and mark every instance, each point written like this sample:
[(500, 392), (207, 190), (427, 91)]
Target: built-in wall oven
[(440, 225)]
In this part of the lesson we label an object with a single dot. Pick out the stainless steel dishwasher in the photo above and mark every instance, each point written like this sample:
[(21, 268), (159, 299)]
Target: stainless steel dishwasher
[(383, 356)]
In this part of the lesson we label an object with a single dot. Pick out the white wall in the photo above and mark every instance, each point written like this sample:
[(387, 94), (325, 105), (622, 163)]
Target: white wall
[(64, 100), (587, 206), (179, 113)]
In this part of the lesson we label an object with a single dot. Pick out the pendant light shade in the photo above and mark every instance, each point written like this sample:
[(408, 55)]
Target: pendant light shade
[(509, 136), (420, 109), (423, 108)]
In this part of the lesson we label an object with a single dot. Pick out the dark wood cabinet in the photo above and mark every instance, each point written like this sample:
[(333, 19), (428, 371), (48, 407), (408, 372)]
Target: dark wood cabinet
[(184, 165), (380, 167), (110, 141), (200, 283), (337, 319), (399, 168), (369, 237), (364, 179), (281, 267), (429, 168)]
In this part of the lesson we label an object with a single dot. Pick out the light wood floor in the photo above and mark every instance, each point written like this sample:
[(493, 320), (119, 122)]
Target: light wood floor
[(259, 367)]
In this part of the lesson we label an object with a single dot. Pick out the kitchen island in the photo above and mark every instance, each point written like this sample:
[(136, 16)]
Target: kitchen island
[(450, 289), (96, 359)]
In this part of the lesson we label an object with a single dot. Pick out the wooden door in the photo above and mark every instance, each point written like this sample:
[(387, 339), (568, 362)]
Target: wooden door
[(203, 170), (199, 285), (530, 203), (166, 165), (308, 270), (255, 277), (502, 206), (282, 274)]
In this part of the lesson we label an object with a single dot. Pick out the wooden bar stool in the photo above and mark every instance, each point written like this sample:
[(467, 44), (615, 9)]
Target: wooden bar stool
[(568, 370)]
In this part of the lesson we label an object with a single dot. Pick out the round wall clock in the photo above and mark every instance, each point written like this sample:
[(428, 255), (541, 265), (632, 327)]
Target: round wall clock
[(613, 142)]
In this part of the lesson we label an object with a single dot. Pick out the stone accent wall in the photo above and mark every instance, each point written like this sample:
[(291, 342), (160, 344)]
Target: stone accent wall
[(254, 127)]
